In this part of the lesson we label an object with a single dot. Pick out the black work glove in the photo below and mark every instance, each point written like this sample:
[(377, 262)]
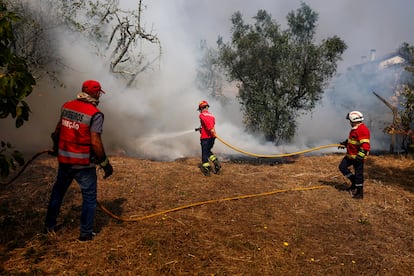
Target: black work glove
[(342, 145), (55, 139), (107, 167), (197, 129)]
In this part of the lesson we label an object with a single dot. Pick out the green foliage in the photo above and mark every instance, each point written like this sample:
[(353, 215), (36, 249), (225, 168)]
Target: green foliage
[(406, 94), (281, 73), (15, 85), (15, 80), (407, 104), (8, 158)]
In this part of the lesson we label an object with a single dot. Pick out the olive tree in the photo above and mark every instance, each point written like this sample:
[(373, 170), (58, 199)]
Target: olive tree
[(281, 73), (115, 34), (121, 32)]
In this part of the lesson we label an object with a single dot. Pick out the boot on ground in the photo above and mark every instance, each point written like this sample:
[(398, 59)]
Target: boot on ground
[(216, 163), (205, 169), (359, 193), (351, 188)]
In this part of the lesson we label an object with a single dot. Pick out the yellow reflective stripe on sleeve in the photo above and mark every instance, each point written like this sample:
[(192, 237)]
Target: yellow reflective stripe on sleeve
[(353, 142)]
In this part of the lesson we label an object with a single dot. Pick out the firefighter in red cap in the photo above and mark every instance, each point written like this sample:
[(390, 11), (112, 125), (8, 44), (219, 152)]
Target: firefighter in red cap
[(207, 138), (357, 149), (78, 145)]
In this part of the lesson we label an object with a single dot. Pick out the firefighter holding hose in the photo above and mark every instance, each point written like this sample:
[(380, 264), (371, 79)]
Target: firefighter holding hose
[(207, 138), (357, 149)]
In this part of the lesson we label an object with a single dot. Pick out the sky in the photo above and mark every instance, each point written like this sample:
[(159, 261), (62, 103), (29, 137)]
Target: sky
[(363, 25), (156, 118)]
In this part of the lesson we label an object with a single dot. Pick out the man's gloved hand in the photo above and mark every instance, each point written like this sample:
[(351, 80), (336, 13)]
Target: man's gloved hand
[(197, 129), (107, 167), (342, 145), (55, 139), (360, 156)]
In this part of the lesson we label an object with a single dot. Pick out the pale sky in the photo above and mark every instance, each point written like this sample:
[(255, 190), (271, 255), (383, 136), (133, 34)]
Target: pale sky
[(364, 24)]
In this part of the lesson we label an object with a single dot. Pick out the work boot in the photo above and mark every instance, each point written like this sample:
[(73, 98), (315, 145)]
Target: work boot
[(352, 188), (216, 162), (205, 169), (217, 166), (86, 238), (359, 194)]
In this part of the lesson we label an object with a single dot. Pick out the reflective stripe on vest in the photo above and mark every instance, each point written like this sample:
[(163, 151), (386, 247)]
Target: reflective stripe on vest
[(75, 136), (73, 154)]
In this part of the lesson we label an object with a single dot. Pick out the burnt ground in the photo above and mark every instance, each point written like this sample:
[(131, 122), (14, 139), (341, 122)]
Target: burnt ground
[(280, 217)]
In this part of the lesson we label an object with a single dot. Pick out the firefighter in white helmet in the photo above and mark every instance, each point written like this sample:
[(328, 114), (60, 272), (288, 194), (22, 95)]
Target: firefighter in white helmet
[(357, 149)]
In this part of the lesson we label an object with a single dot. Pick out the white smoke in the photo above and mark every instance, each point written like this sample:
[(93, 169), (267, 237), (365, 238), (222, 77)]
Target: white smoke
[(155, 119)]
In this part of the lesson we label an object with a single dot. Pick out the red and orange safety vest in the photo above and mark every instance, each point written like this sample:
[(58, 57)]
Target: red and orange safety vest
[(75, 136)]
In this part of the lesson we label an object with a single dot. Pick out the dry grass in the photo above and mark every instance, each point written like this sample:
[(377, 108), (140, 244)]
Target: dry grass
[(297, 232)]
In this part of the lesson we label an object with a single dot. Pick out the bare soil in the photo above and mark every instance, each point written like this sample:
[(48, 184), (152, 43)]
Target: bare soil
[(285, 216)]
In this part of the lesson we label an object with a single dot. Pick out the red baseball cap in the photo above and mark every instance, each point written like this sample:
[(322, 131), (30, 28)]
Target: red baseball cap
[(92, 87)]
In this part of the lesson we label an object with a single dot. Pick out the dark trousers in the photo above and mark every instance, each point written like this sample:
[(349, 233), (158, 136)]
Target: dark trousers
[(206, 146), (87, 180), (358, 167)]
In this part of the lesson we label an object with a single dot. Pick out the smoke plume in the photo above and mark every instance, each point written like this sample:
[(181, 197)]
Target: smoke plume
[(156, 118)]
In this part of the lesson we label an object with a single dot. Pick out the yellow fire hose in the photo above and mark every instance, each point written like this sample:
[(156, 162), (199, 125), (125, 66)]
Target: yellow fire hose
[(129, 219), (277, 155), (134, 218)]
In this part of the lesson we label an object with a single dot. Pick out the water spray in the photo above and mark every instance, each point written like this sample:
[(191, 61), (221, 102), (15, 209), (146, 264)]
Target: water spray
[(163, 136)]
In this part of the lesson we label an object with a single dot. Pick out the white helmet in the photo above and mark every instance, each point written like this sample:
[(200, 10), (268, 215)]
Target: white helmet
[(355, 116)]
